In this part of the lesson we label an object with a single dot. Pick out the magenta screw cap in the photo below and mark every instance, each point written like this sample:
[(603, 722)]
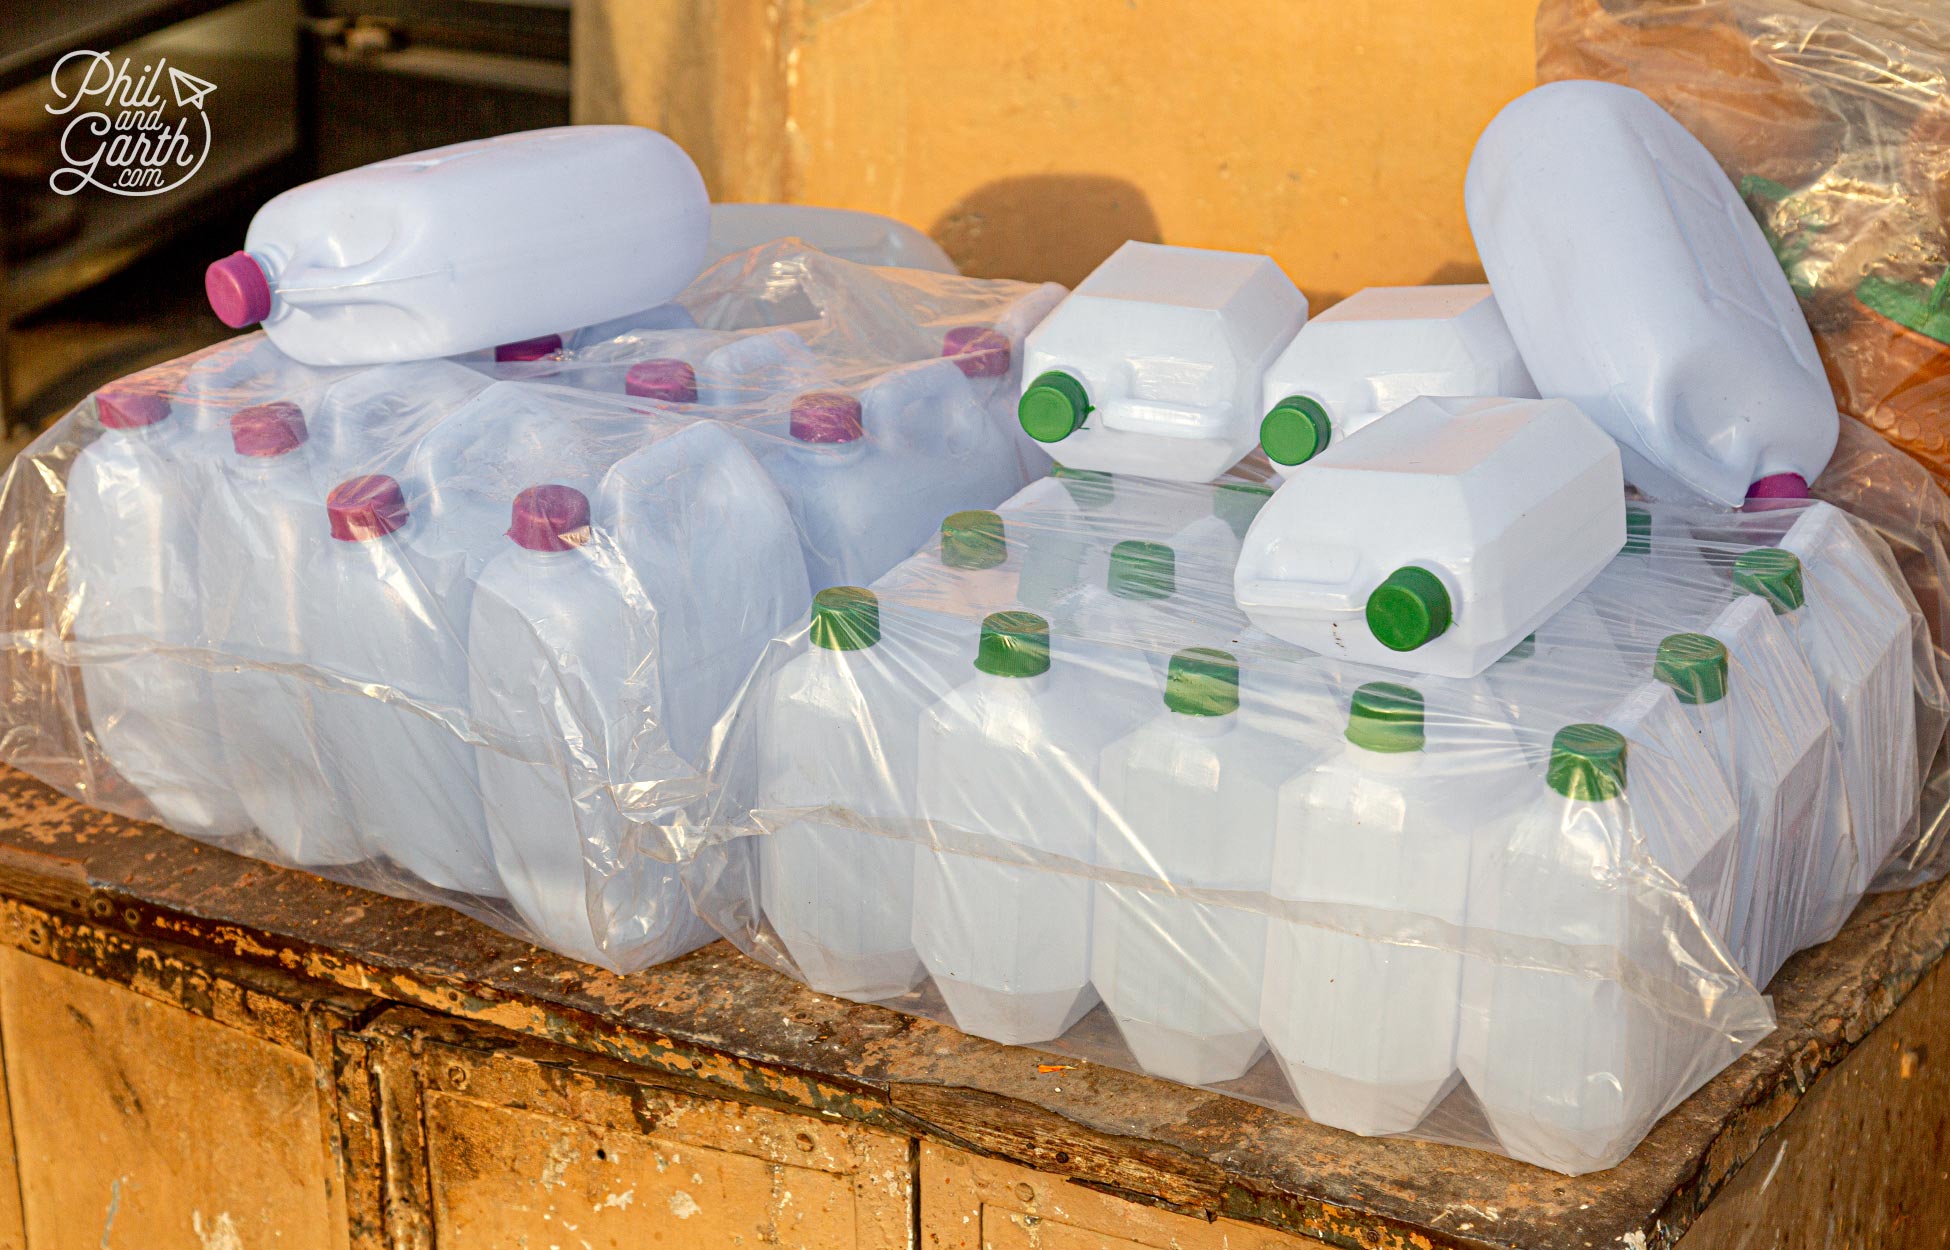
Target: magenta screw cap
[(239, 292), (366, 507), (130, 410), (1776, 490), (550, 518), (528, 349), (672, 381), (978, 351), (267, 429), (826, 417)]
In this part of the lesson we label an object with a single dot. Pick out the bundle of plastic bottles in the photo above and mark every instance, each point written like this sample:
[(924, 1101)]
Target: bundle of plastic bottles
[(459, 629), (1044, 781)]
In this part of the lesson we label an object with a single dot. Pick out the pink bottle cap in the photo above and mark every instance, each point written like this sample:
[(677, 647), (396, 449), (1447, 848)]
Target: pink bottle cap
[(1775, 490), (267, 429), (528, 349), (672, 381), (239, 292), (129, 410), (550, 518), (365, 507), (978, 351), (826, 417)]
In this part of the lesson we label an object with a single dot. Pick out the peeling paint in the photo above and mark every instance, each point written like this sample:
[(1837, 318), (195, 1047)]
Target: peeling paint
[(221, 1235), (683, 1206)]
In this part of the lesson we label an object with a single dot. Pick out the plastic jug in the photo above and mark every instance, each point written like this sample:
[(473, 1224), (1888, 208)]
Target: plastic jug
[(1440, 538), (712, 368), (1212, 542), (462, 247), (1005, 776), (868, 477), (1189, 798), (1361, 1009), (1568, 671), (1376, 350), (370, 421), (1860, 656), (130, 523), (841, 731), (1568, 1064), (1637, 284), (1152, 366), (386, 625), (257, 534)]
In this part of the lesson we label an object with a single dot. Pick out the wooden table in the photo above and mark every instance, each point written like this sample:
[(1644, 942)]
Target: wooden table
[(206, 1052)]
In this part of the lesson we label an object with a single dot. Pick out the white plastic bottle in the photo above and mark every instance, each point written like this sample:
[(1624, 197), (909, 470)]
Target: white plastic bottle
[(371, 420), (386, 628), (1569, 1064), (1376, 350), (1861, 668), (1378, 834), (947, 588), (1440, 538), (1006, 775), (1152, 366), (1213, 541), (841, 731), (869, 477), (1189, 799), (717, 369), (257, 534), (1062, 524), (130, 526), (462, 247), (1566, 672), (1594, 210)]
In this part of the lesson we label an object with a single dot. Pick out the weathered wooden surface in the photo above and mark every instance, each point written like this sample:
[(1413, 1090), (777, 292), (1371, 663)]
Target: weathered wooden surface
[(716, 1024)]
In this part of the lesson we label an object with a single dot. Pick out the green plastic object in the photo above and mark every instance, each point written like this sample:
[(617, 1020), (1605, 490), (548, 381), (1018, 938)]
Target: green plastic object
[(1638, 532), (845, 618), (1202, 681), (1694, 665), (1014, 644), (1237, 503), (1774, 575), (1523, 650), (1053, 407), (1089, 489), (1409, 609), (1587, 763), (1924, 309), (1142, 570), (1295, 430), (1386, 717), (973, 540)]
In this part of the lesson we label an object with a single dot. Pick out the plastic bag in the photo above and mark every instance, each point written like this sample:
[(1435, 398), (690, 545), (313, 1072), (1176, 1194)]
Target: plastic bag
[(1044, 782), (1833, 118), (459, 629)]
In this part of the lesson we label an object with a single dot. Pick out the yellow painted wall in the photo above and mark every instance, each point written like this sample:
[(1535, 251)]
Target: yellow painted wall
[(1031, 138)]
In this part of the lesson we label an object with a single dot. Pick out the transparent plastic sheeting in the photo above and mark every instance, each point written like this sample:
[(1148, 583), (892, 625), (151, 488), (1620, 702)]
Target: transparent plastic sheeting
[(1044, 782), (459, 629), (1833, 119)]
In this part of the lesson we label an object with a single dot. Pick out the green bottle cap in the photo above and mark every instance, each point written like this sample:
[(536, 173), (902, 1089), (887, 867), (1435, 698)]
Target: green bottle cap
[(1386, 717), (1053, 407), (1694, 665), (1408, 609), (1202, 681), (1295, 430), (1014, 644), (1142, 570), (845, 618), (1089, 489), (1237, 503), (1774, 575), (972, 540), (1587, 763), (1638, 532)]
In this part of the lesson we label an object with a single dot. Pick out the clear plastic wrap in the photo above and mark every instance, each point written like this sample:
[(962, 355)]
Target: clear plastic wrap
[(1044, 782), (1833, 119), (459, 629)]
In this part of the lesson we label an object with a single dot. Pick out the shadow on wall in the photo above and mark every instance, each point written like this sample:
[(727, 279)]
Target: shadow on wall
[(1044, 227)]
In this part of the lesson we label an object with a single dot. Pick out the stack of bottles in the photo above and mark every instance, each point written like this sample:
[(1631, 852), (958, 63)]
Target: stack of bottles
[(460, 628), (1045, 781)]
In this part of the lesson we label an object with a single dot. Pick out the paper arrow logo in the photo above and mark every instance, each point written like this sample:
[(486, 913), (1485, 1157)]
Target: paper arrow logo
[(189, 89)]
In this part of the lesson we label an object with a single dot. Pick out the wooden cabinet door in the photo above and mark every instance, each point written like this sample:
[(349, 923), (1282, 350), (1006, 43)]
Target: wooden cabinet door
[(525, 1145)]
